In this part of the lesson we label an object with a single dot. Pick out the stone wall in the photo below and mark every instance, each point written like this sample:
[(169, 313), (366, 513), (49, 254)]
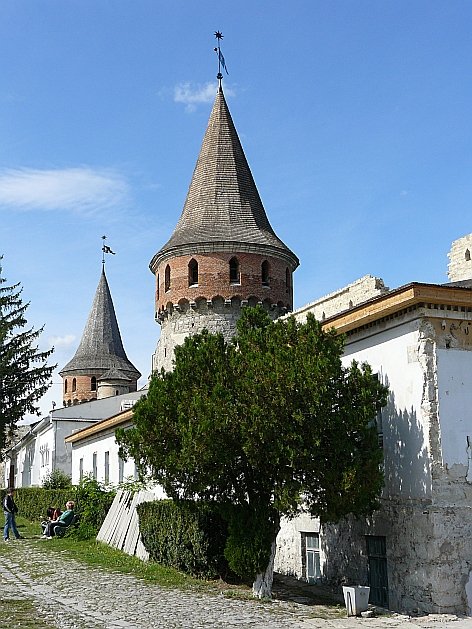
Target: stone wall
[(460, 259), (216, 316), (351, 295)]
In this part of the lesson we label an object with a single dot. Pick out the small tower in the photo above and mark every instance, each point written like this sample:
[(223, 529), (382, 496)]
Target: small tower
[(100, 367), (460, 261), (223, 254)]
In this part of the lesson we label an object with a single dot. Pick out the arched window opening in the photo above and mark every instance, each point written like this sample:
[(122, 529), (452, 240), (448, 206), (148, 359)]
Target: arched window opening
[(467, 255), (167, 279), (288, 279), (193, 272), (265, 273), (93, 383), (65, 385), (74, 385), (234, 272), (157, 287)]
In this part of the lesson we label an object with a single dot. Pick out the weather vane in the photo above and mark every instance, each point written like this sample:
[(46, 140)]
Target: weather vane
[(105, 249), (221, 59)]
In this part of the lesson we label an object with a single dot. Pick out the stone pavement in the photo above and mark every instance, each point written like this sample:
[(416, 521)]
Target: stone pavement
[(70, 595)]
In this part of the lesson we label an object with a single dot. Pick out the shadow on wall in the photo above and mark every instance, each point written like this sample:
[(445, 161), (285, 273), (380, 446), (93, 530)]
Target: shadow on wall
[(406, 461), (407, 477), (27, 465)]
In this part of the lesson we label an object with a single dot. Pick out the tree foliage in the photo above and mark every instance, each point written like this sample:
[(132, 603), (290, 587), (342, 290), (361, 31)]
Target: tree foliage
[(271, 421), (24, 373), (57, 479)]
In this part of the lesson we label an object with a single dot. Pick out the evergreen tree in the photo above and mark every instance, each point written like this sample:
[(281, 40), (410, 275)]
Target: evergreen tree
[(263, 426), (24, 373)]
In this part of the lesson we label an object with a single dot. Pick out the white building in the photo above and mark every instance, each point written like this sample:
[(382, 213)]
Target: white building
[(415, 553), (44, 449)]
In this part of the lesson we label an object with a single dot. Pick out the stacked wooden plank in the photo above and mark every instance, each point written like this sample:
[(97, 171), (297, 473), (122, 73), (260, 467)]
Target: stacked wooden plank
[(120, 529)]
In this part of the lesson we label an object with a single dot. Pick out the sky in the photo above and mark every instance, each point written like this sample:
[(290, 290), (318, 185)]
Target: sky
[(355, 117)]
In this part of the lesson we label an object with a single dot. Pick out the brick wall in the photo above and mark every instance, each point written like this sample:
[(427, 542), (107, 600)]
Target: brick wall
[(83, 391), (214, 279)]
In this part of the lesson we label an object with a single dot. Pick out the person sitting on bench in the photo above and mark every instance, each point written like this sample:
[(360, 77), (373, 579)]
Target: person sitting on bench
[(65, 519)]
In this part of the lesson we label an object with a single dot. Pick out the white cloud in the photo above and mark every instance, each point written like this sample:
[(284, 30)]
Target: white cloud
[(62, 341), (193, 95), (80, 190)]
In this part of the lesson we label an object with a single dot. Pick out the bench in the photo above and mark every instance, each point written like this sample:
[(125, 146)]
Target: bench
[(61, 531)]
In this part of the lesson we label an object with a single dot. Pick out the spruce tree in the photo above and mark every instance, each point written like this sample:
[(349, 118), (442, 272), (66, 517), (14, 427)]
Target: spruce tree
[(264, 426), (24, 373)]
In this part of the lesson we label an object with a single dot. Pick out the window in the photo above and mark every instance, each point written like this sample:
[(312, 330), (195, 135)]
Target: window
[(93, 383), (94, 466), (311, 556), (379, 419), (193, 273), (74, 385), (65, 385), (44, 454), (81, 469), (121, 470), (107, 467), (167, 279), (234, 273), (157, 287), (288, 280), (467, 255), (265, 273)]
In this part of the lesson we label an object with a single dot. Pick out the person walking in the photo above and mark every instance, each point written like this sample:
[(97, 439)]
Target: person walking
[(9, 510)]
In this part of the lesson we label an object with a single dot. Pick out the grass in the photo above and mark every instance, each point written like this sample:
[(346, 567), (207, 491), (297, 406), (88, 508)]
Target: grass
[(22, 613)]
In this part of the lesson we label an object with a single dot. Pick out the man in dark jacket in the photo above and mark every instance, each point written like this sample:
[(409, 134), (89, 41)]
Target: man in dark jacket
[(9, 510)]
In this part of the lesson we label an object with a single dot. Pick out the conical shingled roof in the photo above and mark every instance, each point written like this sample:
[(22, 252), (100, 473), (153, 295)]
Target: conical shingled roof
[(223, 210), (101, 347)]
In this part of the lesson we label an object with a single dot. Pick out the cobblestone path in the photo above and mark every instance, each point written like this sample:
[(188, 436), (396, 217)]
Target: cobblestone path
[(68, 594)]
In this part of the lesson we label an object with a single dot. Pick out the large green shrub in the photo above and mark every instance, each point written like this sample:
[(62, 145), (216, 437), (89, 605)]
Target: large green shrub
[(33, 502), (93, 500), (188, 536)]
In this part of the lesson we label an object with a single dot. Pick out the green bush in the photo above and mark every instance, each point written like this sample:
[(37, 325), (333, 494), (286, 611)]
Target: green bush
[(33, 502), (93, 500), (188, 536), (57, 479), (250, 535)]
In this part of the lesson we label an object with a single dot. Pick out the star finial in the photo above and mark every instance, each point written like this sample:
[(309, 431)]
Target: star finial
[(221, 59)]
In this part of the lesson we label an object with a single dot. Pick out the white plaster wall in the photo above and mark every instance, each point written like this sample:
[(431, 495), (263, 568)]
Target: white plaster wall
[(106, 443), (393, 354), (288, 556), (455, 404), (45, 438)]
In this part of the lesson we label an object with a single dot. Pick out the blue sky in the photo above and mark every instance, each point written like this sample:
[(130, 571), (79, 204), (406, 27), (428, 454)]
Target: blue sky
[(355, 117)]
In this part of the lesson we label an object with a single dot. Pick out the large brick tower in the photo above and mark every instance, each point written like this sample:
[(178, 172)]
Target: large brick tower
[(223, 254), (100, 367)]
